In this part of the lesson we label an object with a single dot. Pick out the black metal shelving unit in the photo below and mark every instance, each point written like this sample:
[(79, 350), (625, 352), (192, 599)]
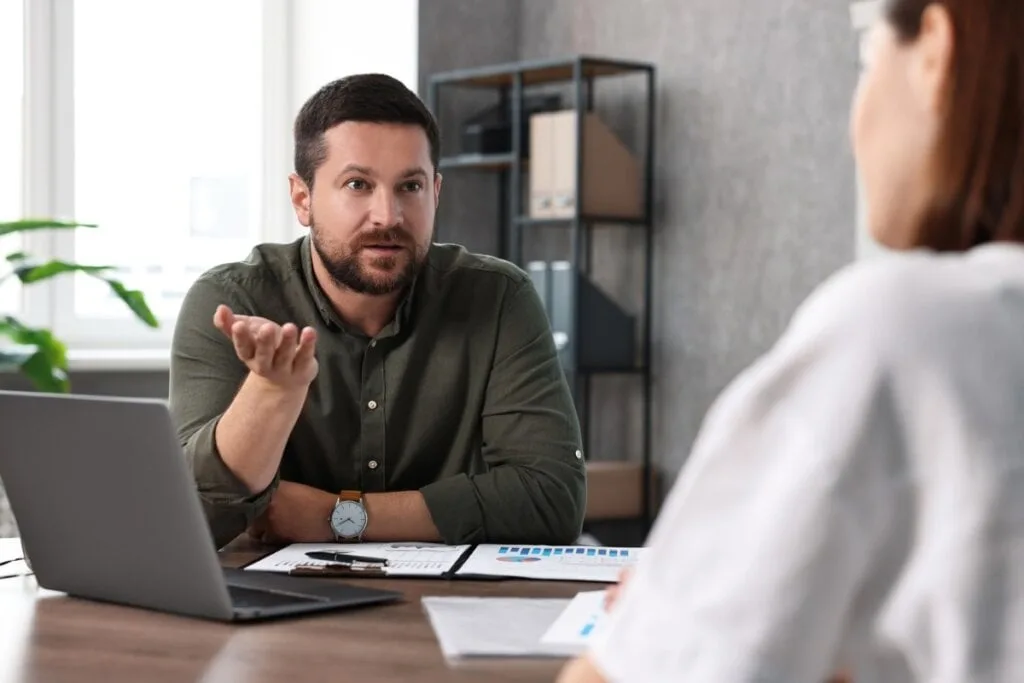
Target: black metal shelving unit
[(510, 82)]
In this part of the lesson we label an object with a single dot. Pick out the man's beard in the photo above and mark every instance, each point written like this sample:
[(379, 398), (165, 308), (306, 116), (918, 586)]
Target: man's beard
[(349, 272)]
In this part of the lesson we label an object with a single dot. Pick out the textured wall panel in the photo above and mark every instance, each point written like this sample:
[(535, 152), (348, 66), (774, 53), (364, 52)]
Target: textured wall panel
[(756, 199)]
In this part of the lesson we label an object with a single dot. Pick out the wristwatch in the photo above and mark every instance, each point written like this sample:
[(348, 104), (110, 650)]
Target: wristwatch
[(348, 519)]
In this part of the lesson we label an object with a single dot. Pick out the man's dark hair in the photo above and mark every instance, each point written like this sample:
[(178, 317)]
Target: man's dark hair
[(370, 98)]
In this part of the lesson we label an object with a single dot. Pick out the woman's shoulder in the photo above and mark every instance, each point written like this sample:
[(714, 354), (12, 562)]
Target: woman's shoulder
[(913, 296)]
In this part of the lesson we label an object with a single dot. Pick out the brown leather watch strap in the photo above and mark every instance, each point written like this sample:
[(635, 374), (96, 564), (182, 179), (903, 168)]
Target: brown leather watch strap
[(350, 495)]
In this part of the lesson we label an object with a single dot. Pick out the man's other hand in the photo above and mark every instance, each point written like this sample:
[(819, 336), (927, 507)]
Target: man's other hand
[(297, 514)]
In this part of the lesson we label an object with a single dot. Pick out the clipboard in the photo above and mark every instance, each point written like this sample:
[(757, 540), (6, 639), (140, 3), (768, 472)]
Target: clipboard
[(338, 570)]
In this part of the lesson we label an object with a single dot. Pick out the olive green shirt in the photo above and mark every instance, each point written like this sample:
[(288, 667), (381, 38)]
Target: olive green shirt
[(460, 397)]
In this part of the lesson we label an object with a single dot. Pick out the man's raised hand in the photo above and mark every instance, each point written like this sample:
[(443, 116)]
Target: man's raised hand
[(280, 354)]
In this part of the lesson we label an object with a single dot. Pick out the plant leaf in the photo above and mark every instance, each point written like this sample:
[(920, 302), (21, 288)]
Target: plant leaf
[(134, 299), (34, 273), (40, 224), (43, 339), (45, 375), (17, 256), (47, 366)]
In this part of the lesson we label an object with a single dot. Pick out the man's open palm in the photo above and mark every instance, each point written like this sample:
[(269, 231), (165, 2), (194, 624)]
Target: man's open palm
[(279, 353)]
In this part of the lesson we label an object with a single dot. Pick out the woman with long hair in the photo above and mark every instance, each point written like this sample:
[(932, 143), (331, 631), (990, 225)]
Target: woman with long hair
[(855, 499)]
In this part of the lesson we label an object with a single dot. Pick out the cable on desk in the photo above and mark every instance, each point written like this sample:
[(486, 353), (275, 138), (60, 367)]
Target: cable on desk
[(11, 561)]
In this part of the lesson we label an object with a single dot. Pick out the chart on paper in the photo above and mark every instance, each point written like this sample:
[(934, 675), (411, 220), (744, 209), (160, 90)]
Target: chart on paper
[(580, 621), (558, 563), (404, 559)]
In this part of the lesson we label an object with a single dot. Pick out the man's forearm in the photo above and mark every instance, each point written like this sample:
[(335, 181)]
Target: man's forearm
[(398, 516), (253, 431)]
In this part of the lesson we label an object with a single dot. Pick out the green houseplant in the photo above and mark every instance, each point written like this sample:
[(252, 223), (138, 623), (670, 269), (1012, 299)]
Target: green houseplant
[(36, 352)]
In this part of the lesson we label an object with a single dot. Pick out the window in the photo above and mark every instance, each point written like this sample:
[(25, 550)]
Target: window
[(172, 134), (11, 93), (168, 151)]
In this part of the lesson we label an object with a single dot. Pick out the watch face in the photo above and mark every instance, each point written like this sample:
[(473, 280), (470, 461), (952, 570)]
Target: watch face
[(348, 519)]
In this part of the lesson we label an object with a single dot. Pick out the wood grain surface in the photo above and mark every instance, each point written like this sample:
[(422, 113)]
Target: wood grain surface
[(48, 637)]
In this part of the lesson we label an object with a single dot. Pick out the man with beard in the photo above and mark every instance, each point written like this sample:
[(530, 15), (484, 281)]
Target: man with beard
[(364, 382)]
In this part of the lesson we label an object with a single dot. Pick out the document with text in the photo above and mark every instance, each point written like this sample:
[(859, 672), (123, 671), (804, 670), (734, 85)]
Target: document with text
[(469, 627), (403, 559), (555, 563), (579, 622)]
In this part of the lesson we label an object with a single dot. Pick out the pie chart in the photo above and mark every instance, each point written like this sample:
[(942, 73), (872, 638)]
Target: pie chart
[(518, 558)]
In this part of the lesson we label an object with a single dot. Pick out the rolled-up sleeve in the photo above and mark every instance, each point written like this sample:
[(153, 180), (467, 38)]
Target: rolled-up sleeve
[(205, 375), (534, 490)]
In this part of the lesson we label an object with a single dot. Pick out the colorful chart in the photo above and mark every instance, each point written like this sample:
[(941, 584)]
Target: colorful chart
[(553, 562), (518, 558), (548, 551)]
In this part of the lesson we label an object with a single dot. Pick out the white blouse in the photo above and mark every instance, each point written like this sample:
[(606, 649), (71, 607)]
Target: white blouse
[(855, 498)]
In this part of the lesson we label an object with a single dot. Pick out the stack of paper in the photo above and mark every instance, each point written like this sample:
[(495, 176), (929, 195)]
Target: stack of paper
[(514, 627), (579, 622)]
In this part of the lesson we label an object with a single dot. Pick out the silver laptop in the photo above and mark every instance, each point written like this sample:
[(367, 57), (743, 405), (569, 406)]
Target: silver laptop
[(108, 510)]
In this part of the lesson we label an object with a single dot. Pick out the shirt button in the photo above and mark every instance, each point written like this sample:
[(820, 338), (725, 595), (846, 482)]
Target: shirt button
[(372, 464), (579, 454), (372, 405)]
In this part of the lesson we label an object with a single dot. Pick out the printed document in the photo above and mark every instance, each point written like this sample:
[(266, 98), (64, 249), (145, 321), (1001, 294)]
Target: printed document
[(578, 623), (496, 627), (556, 563), (404, 559)]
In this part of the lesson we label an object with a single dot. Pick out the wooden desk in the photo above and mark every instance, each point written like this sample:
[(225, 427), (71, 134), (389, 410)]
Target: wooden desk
[(46, 636)]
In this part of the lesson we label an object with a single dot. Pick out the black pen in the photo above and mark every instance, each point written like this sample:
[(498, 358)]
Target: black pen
[(343, 558)]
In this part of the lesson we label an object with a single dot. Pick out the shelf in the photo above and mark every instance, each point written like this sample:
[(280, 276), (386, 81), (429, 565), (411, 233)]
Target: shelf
[(587, 218), (540, 72), (614, 490), (595, 337), (494, 162)]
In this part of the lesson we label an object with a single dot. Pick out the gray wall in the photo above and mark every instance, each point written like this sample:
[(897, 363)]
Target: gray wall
[(755, 187), (458, 34)]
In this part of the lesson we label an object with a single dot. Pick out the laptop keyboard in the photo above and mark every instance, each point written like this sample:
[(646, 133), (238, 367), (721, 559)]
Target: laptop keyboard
[(252, 597)]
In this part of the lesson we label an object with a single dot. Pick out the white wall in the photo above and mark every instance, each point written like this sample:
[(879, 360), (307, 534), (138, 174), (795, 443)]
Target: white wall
[(327, 40), (335, 38)]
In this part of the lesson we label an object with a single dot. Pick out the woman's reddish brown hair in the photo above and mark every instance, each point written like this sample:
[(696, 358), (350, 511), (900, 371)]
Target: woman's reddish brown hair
[(980, 161)]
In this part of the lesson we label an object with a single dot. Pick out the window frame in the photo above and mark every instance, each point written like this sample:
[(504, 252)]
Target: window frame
[(48, 171), (48, 177)]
